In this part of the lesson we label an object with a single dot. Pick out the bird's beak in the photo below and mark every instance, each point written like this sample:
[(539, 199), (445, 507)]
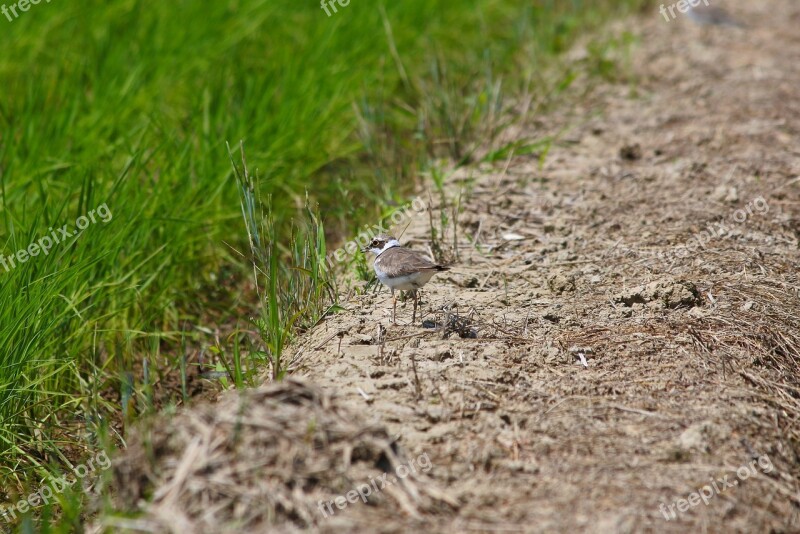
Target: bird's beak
[(365, 250)]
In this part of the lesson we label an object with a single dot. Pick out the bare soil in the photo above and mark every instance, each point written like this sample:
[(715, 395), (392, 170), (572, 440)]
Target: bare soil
[(589, 364)]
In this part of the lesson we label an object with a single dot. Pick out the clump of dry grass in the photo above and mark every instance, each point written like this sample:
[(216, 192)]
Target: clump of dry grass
[(763, 326), (262, 459)]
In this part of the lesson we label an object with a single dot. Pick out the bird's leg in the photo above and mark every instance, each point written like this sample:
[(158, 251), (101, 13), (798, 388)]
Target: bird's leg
[(394, 307), (414, 316)]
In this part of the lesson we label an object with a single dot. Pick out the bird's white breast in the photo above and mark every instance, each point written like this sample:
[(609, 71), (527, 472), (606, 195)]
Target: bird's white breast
[(405, 283)]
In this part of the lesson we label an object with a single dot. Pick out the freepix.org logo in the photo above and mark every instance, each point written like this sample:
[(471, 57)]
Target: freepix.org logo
[(22, 6), (375, 486), (55, 237), (709, 491), (48, 492), (328, 5)]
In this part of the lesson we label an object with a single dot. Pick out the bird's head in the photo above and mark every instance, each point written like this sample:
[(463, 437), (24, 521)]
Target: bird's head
[(380, 243)]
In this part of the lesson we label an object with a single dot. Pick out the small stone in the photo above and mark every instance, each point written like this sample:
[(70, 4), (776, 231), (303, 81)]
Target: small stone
[(560, 282), (669, 294), (552, 317), (698, 313), (471, 282), (436, 414), (631, 152), (699, 437), (362, 339), (511, 236), (724, 193), (442, 354)]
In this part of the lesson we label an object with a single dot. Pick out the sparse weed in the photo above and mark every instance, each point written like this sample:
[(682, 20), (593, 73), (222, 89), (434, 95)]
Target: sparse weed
[(293, 286)]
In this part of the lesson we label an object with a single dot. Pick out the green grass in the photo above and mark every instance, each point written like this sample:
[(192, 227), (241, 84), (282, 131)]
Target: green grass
[(131, 103)]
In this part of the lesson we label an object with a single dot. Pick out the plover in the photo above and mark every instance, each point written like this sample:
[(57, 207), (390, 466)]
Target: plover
[(401, 268), (711, 15)]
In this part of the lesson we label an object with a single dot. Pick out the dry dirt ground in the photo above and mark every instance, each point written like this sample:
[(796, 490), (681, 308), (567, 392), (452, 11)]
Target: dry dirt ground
[(592, 367)]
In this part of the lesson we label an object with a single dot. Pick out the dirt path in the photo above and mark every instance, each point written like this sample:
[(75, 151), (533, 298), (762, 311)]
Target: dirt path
[(691, 369)]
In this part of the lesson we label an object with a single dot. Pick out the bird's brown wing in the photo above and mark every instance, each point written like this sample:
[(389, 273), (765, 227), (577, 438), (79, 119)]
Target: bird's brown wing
[(399, 261)]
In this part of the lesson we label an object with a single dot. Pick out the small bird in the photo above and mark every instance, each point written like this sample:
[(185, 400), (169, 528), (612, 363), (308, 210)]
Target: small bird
[(401, 268), (706, 15)]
